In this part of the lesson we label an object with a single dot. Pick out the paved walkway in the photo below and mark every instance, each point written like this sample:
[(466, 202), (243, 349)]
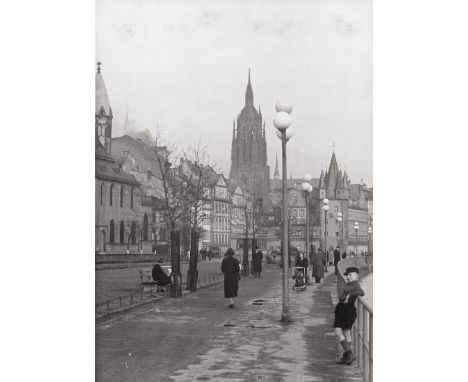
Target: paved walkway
[(198, 338)]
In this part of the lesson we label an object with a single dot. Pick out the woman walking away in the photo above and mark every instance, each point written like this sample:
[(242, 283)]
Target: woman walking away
[(257, 263), (230, 268), (318, 266)]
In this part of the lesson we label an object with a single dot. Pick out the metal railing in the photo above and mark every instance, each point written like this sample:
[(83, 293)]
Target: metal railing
[(362, 331), (147, 294)]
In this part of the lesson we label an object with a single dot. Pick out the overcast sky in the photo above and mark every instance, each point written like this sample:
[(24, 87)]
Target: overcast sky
[(184, 65)]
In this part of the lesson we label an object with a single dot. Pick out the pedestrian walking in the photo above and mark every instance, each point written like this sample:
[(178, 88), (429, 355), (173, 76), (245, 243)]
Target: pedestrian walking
[(230, 268), (257, 263), (301, 261), (336, 258), (318, 266), (345, 313)]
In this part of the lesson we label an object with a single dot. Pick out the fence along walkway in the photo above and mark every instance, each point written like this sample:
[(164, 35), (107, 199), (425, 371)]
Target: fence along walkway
[(362, 332)]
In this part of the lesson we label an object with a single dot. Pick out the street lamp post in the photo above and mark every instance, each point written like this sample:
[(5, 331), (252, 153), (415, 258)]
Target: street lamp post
[(282, 122), (307, 188), (369, 247), (340, 225), (325, 208), (356, 228)]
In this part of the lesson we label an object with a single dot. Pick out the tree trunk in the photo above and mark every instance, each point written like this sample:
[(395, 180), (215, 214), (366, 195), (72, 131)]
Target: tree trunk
[(254, 249), (176, 277), (245, 258), (192, 273)]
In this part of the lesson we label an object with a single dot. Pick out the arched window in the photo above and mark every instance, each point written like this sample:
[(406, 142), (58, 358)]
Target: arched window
[(103, 189), (111, 194), (111, 232), (145, 227), (131, 198), (122, 232), (121, 195), (133, 233)]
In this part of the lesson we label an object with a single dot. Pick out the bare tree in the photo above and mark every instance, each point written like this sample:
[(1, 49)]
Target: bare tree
[(248, 223), (173, 197), (195, 171)]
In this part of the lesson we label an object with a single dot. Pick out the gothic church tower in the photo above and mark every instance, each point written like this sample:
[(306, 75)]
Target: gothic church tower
[(103, 113), (249, 148)]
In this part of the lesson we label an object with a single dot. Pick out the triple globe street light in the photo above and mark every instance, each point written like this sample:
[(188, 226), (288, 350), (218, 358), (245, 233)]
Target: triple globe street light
[(307, 188), (340, 223), (325, 208), (282, 122), (356, 228)]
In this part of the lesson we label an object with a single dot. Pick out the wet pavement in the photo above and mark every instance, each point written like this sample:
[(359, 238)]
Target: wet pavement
[(198, 338)]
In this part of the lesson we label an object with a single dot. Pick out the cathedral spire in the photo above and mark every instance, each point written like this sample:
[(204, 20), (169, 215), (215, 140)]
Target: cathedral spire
[(249, 93), (276, 174), (321, 181)]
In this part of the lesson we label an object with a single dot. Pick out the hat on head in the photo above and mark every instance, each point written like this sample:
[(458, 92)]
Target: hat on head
[(351, 270)]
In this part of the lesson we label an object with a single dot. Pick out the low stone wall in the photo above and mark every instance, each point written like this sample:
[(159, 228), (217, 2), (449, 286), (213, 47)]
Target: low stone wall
[(117, 258)]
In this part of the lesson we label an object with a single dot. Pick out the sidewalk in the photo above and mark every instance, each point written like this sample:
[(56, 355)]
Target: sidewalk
[(198, 338)]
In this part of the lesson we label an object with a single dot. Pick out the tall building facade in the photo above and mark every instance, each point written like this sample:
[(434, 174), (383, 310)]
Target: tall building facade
[(249, 148)]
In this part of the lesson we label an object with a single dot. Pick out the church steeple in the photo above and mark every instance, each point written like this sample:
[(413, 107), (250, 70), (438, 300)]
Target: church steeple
[(276, 174), (103, 112), (249, 93), (333, 173)]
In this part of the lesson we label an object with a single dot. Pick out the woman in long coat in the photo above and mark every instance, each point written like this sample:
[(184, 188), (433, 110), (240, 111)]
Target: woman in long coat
[(230, 268), (318, 266), (257, 263)]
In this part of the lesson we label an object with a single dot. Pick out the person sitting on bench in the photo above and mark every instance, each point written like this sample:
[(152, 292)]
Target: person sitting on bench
[(159, 276)]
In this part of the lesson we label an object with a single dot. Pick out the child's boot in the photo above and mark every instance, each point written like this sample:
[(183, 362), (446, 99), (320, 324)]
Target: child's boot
[(349, 358), (343, 358)]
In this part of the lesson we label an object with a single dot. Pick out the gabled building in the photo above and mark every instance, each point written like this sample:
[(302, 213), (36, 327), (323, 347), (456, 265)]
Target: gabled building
[(220, 213), (238, 215)]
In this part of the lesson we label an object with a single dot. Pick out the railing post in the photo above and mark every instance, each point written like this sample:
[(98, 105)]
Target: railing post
[(366, 346), (361, 336), (371, 347)]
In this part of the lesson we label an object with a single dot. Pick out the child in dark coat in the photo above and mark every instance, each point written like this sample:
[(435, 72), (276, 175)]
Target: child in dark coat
[(345, 313)]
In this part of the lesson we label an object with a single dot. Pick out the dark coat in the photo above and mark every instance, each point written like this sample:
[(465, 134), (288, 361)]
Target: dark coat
[(336, 257), (159, 276), (302, 263), (257, 261), (230, 268), (345, 312), (318, 265)]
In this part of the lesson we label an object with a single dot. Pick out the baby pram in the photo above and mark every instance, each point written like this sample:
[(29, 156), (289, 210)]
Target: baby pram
[(299, 278)]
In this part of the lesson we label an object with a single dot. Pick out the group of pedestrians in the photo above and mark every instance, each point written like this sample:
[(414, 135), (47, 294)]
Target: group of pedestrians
[(345, 311)]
